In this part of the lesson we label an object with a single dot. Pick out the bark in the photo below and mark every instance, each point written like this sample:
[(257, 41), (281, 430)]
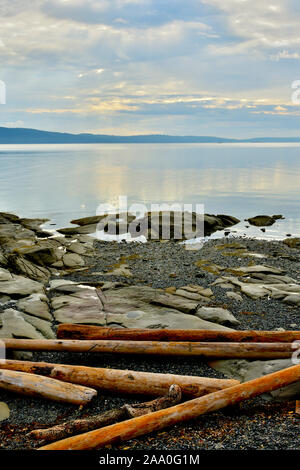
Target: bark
[(297, 409), (78, 426), (45, 387), (122, 381), (71, 331), (158, 420), (205, 350)]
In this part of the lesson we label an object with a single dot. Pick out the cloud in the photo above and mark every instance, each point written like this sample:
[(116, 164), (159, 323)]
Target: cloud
[(256, 25)]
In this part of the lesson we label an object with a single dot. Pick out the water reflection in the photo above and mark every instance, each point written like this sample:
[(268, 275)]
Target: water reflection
[(66, 181)]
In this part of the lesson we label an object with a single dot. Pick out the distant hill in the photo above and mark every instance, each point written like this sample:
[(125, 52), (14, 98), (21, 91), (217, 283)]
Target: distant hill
[(32, 136)]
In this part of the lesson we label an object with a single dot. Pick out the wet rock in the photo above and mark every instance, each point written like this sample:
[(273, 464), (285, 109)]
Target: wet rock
[(33, 224), (85, 229), (263, 220)]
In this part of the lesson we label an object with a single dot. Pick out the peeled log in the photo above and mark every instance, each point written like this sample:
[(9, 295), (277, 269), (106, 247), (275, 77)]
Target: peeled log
[(209, 350), (71, 331), (135, 427), (45, 387), (122, 381), (78, 426)]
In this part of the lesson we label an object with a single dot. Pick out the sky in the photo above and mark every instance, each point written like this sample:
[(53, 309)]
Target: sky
[(194, 67)]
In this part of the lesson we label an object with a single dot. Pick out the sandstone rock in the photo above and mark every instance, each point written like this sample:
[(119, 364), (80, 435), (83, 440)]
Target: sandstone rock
[(292, 243), (255, 291), (173, 301), (23, 266), (217, 315), (244, 371), (164, 319), (88, 220), (20, 286), (234, 296), (37, 305), (15, 325), (261, 220), (42, 326), (72, 260), (122, 270), (85, 229), (4, 411), (33, 224), (5, 275), (257, 269)]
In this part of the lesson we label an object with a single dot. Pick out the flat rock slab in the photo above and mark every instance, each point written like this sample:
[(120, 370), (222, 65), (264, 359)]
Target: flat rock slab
[(134, 306), (20, 286), (15, 324), (244, 371), (217, 315)]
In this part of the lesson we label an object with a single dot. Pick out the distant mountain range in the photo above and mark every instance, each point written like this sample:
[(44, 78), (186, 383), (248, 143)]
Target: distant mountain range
[(10, 135)]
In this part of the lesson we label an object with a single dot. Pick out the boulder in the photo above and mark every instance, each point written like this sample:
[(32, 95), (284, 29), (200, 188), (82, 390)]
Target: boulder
[(261, 220), (73, 260)]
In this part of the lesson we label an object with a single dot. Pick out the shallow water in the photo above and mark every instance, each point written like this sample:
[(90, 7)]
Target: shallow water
[(63, 182)]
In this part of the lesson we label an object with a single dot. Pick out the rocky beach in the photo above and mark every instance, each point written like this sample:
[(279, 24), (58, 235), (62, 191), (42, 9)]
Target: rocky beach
[(227, 283)]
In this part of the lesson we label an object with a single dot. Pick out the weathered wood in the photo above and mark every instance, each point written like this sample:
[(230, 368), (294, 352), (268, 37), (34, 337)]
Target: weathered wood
[(122, 381), (71, 331), (39, 386), (158, 420), (126, 411), (172, 348)]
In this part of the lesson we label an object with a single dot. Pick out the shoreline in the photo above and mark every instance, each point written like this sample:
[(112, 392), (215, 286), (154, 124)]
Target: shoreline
[(129, 274)]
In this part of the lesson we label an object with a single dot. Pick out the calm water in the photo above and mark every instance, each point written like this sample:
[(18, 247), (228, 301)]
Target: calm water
[(62, 182)]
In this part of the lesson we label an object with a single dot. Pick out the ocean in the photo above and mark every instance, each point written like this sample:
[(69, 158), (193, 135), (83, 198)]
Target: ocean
[(63, 182)]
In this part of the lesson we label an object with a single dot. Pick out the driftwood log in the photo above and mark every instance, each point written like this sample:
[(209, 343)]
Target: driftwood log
[(135, 427), (45, 387), (185, 348), (71, 331), (122, 381), (78, 426)]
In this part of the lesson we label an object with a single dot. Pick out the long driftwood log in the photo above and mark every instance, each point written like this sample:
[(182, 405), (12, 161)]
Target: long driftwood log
[(210, 350), (135, 427), (78, 426), (122, 381), (45, 387), (71, 331)]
